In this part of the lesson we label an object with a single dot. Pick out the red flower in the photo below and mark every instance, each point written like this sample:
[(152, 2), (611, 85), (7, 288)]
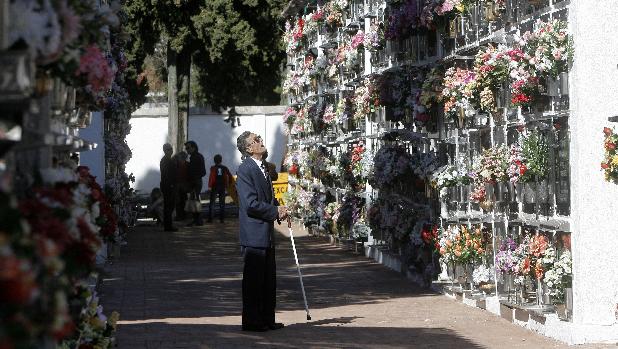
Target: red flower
[(16, 284), (604, 166), (610, 146), (293, 169), (607, 131), (522, 169)]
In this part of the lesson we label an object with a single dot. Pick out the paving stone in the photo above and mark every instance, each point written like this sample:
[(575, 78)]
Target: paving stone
[(182, 290)]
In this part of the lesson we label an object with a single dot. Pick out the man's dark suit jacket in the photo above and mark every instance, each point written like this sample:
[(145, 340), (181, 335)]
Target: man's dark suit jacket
[(258, 207)]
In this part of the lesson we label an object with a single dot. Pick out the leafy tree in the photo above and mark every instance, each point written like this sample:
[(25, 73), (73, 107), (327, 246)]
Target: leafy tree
[(235, 47)]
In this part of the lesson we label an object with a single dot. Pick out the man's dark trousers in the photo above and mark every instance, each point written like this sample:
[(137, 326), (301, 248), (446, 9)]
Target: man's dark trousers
[(214, 193), (259, 286), (169, 197)]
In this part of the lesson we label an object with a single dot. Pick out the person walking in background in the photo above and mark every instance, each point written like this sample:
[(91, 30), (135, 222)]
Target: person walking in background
[(195, 171), (217, 183), (182, 183), (257, 212), (167, 166)]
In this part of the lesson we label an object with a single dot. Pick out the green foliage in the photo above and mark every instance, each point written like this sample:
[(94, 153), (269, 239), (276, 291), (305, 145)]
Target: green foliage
[(235, 45), (536, 153)]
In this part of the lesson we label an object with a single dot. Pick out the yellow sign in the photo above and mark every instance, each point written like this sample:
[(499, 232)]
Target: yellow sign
[(280, 186)]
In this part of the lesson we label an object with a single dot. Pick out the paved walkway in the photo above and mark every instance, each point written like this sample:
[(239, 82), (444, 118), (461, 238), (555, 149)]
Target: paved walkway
[(182, 290)]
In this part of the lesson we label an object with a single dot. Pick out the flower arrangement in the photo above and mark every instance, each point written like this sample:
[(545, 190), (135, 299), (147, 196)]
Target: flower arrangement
[(94, 329), (445, 177), (459, 91), (347, 56), (424, 165), (329, 117), (535, 151), (517, 166), (331, 214), (482, 274), (549, 46), (289, 117), (349, 214), (437, 9), (366, 164), (374, 39), (492, 165), (446, 241), (430, 234), (355, 159), (559, 276), (31, 267), (521, 258), (492, 68), (431, 92), (358, 40), (302, 123), (334, 12), (361, 230), (345, 109), (402, 21), (523, 78), (394, 217), (366, 99), (609, 165), (504, 261), (469, 245), (391, 167)]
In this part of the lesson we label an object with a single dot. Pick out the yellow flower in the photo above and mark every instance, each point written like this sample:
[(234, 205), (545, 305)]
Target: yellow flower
[(113, 318), (97, 323), (615, 160)]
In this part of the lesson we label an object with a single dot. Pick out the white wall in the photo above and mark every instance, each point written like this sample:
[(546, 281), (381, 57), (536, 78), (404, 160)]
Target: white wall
[(594, 92), (212, 134), (148, 134), (95, 158)]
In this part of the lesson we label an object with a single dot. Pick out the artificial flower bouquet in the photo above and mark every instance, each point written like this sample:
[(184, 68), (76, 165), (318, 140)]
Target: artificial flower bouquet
[(609, 165), (549, 46), (459, 92)]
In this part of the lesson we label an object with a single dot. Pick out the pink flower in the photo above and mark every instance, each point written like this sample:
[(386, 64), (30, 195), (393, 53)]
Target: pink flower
[(99, 73)]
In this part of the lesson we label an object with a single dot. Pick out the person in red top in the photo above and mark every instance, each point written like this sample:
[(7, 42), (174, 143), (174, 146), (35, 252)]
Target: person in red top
[(218, 181)]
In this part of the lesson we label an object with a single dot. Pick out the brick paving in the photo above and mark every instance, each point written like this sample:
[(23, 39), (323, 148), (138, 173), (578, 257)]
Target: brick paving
[(182, 290)]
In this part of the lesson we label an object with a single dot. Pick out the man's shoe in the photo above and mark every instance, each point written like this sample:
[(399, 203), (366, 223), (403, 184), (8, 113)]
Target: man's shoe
[(255, 328), (276, 326), (172, 229)]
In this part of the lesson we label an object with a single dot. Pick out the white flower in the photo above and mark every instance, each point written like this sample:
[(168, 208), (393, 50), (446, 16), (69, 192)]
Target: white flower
[(37, 25), (58, 175)]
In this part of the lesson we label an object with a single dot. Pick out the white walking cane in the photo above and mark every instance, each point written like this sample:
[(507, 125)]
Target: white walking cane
[(300, 275)]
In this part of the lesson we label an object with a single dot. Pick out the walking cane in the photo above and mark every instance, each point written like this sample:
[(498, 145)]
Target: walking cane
[(300, 275)]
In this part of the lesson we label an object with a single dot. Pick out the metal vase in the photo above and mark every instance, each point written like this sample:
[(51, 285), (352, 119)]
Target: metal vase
[(563, 79)]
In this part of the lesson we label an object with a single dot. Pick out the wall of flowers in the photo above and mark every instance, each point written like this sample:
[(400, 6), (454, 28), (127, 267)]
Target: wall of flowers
[(438, 130), (63, 60)]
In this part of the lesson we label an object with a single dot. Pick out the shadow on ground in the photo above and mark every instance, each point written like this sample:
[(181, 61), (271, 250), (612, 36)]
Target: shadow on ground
[(323, 334), (197, 272)]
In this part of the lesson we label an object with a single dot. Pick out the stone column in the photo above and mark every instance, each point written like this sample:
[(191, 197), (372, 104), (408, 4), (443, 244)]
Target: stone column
[(594, 202)]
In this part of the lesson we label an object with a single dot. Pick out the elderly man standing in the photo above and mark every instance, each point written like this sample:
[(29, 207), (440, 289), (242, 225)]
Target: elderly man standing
[(167, 166), (258, 210)]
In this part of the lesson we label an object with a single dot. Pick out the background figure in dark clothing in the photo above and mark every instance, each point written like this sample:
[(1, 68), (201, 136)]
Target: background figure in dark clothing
[(195, 171), (167, 166), (217, 183), (182, 184)]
